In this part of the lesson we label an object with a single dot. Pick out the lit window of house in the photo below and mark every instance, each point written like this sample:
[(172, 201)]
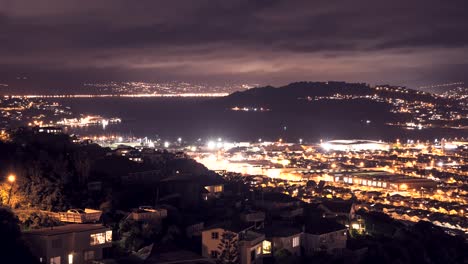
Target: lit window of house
[(55, 260), (214, 235), (295, 242), (259, 250), (266, 245), (218, 188), (108, 236), (70, 258), (101, 238)]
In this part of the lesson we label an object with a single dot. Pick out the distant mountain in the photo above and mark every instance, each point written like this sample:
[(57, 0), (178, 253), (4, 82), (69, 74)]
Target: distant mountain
[(297, 90), (342, 109)]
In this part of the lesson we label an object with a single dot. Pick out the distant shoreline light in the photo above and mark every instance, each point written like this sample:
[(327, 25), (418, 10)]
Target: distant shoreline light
[(119, 95)]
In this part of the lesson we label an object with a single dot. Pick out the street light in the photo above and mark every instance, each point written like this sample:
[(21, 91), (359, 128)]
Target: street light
[(11, 178)]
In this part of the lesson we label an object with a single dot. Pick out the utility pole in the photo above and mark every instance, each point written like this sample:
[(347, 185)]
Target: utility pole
[(11, 179)]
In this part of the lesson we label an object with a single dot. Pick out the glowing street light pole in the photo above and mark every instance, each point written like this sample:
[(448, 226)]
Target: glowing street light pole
[(11, 178)]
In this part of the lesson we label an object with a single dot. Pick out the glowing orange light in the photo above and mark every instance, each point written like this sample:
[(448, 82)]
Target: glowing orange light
[(11, 178)]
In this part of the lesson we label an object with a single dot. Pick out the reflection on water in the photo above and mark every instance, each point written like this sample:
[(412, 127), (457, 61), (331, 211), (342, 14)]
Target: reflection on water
[(193, 118)]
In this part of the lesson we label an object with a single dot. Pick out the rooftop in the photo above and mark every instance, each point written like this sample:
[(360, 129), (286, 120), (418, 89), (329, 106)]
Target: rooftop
[(281, 230), (323, 226), (71, 228), (233, 226), (338, 206)]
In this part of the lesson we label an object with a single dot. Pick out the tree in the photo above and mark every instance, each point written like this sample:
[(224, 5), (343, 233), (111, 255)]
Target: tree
[(135, 234), (12, 247), (228, 248)]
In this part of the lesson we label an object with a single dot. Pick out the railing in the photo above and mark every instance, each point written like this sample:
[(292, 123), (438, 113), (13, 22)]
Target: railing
[(89, 216)]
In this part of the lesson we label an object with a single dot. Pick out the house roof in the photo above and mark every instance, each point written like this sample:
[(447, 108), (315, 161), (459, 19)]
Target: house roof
[(71, 228), (173, 254), (338, 206), (278, 197), (233, 226), (280, 230), (205, 180), (323, 226)]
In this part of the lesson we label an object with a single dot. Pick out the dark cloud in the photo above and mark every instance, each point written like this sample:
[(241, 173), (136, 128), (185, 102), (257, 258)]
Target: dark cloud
[(403, 42)]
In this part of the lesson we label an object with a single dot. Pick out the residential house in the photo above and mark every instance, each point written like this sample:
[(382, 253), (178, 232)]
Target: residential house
[(69, 244), (256, 218), (324, 235), (279, 236), (249, 243), (341, 211), (276, 201)]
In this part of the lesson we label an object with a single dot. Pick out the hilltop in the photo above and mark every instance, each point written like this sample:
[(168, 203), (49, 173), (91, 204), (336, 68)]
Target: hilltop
[(356, 108)]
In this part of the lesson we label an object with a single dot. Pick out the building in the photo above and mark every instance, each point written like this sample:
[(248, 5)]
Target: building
[(280, 237), (249, 243), (324, 236), (256, 218), (354, 145), (69, 244), (142, 177), (384, 180), (338, 209), (191, 190), (148, 214), (213, 190), (276, 201), (50, 130)]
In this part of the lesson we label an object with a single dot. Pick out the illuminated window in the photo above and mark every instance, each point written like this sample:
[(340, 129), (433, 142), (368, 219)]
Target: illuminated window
[(55, 260), (70, 258), (98, 239), (384, 185), (259, 250), (101, 238), (295, 242), (364, 182), (379, 184), (266, 245), (108, 236), (89, 255), (218, 188)]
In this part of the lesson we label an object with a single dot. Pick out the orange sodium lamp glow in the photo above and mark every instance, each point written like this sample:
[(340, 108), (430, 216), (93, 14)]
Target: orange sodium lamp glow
[(11, 178)]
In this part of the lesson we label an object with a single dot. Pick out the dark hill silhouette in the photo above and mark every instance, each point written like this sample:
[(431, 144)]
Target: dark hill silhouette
[(293, 91), (305, 109)]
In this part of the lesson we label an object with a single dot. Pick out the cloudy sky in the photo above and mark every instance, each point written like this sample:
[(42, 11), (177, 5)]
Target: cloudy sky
[(63, 42)]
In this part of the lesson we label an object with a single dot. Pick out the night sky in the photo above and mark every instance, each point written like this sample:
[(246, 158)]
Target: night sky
[(60, 43)]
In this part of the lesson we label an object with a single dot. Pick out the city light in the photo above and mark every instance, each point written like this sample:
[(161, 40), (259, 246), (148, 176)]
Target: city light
[(11, 178), (211, 145)]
